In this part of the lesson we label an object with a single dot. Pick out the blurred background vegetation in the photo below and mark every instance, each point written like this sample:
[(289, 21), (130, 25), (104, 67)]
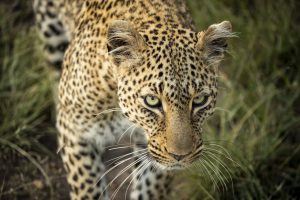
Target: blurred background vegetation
[(256, 120)]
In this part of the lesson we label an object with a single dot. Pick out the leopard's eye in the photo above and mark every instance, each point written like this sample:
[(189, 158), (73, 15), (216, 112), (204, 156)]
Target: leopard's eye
[(152, 101), (200, 101)]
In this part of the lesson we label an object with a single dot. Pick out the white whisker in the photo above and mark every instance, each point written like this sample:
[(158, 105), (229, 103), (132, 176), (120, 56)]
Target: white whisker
[(60, 148), (217, 145), (221, 109), (122, 171), (107, 111), (225, 155), (210, 175), (139, 173), (123, 161), (123, 156), (218, 173), (139, 168), (120, 147), (125, 132), (217, 159), (131, 134)]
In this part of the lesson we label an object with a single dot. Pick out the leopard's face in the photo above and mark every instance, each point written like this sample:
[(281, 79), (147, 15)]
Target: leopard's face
[(169, 90)]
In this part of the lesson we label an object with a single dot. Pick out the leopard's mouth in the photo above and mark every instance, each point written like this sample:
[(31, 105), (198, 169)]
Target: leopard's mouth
[(166, 160), (171, 164)]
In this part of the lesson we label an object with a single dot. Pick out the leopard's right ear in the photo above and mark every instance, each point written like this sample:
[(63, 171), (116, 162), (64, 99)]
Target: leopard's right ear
[(212, 42), (124, 42)]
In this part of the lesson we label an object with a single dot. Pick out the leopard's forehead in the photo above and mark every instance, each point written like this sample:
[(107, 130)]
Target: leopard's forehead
[(172, 67)]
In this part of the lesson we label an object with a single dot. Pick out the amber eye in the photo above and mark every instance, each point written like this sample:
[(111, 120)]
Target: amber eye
[(200, 101), (152, 101)]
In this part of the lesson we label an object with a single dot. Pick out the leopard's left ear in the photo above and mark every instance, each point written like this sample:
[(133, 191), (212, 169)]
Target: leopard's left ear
[(213, 42), (124, 42)]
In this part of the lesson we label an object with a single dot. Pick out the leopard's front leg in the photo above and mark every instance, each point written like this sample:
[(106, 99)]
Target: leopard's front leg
[(150, 183), (83, 164), (81, 146)]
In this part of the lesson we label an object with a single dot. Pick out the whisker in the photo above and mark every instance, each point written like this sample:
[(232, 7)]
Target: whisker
[(123, 161), (60, 148), (221, 109), (212, 168), (122, 156), (155, 166), (210, 175), (207, 142), (201, 165), (142, 145), (218, 173), (217, 159), (138, 173), (217, 145), (225, 155), (131, 134), (122, 171), (219, 151), (107, 111), (196, 154), (125, 132), (120, 147), (211, 152), (116, 191)]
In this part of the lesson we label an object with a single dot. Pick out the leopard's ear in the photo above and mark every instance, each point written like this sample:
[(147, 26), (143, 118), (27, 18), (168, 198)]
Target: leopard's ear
[(124, 42), (213, 42)]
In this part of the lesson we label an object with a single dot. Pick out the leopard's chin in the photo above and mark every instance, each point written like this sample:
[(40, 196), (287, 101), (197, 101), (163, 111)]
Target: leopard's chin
[(170, 166)]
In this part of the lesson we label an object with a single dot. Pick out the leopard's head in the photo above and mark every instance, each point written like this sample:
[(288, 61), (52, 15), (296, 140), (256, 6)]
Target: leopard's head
[(167, 84)]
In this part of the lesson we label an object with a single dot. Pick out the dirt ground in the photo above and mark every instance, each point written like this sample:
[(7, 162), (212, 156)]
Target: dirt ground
[(23, 180)]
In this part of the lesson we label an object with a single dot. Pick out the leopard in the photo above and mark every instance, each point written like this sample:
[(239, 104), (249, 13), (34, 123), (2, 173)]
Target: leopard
[(124, 64)]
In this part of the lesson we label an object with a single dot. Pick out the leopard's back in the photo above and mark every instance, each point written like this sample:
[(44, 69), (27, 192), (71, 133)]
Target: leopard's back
[(55, 20)]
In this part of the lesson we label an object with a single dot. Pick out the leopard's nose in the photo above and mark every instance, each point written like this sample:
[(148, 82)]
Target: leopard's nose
[(178, 157)]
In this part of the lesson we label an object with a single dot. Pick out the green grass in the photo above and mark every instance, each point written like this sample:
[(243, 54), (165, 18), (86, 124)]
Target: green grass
[(256, 119), (26, 101), (26, 93)]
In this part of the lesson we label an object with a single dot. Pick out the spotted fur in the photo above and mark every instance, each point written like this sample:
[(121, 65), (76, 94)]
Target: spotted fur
[(119, 52)]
